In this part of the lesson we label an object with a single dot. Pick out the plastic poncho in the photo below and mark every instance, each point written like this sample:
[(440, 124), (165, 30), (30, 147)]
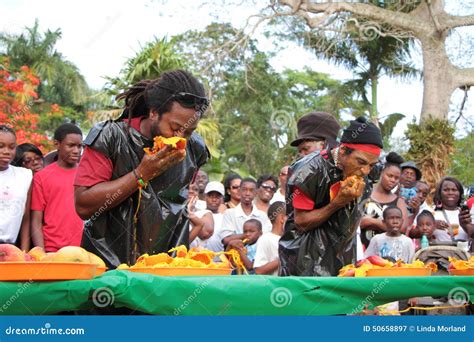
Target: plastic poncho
[(162, 223), (325, 249)]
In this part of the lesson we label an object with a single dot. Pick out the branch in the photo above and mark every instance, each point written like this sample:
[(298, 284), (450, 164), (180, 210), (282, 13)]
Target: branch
[(466, 90), (452, 21), (400, 20), (463, 77)]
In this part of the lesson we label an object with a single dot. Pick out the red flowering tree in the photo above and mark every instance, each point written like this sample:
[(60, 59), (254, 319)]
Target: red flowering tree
[(17, 97)]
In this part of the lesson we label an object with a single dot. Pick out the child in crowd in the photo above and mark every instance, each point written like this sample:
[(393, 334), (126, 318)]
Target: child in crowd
[(15, 194), (266, 257), (392, 244), (248, 246), (425, 225)]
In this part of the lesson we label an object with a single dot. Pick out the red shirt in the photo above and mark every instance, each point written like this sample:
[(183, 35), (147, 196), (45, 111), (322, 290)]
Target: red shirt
[(53, 194), (96, 168), (470, 202), (301, 201)]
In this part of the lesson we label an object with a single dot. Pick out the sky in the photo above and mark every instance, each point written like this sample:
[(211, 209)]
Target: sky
[(98, 36)]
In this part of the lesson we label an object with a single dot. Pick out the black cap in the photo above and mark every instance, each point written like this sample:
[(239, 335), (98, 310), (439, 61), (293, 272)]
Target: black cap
[(361, 131), (317, 126), (412, 165)]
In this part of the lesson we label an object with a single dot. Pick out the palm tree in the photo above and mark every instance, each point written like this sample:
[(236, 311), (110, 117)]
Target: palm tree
[(61, 81)]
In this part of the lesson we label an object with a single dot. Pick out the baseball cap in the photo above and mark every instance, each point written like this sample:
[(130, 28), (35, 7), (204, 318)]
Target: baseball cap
[(214, 186)]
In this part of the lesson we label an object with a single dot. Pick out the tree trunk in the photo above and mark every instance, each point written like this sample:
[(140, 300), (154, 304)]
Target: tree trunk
[(373, 107), (437, 78)]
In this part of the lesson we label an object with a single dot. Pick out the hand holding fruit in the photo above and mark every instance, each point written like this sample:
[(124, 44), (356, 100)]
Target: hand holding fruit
[(351, 188), (152, 165)]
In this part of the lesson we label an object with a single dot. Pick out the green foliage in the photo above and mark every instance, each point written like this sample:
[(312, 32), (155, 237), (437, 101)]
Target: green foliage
[(149, 62), (462, 165), (61, 81), (431, 145)]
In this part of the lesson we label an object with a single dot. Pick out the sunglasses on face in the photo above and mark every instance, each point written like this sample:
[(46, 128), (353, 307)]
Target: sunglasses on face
[(235, 187), (188, 100), (268, 187)]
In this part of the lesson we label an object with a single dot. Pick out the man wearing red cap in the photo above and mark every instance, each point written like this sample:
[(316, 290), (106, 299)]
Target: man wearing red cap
[(320, 231)]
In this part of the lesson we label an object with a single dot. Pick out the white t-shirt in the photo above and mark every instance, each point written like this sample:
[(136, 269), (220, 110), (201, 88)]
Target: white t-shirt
[(278, 197), (14, 185), (214, 243), (399, 247), (453, 218), (234, 219), (267, 250)]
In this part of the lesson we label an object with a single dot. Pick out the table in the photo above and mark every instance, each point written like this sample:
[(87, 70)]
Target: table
[(223, 295)]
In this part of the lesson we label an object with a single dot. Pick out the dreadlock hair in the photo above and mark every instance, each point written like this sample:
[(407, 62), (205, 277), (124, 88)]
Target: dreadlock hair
[(155, 94), (7, 129)]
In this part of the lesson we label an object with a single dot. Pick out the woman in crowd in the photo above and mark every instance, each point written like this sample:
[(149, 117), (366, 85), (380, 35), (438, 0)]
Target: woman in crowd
[(232, 190), (29, 156), (382, 197), (15, 193), (447, 200)]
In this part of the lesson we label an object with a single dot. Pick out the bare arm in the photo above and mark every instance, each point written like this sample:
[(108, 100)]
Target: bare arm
[(89, 200), (403, 207), (269, 268), (208, 228), (37, 228), (25, 229), (466, 223), (308, 220), (368, 222), (226, 240)]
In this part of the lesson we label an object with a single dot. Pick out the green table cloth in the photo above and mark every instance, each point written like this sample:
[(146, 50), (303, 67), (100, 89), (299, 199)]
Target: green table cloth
[(224, 295)]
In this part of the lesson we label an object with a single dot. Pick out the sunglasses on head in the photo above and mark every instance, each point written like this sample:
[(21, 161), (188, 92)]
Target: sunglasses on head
[(268, 187), (188, 100)]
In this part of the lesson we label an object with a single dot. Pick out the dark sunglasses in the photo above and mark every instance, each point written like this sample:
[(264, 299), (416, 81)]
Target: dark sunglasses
[(235, 187), (268, 187), (188, 100)]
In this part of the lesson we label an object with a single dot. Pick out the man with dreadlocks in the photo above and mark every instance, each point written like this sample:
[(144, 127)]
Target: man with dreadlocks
[(134, 202)]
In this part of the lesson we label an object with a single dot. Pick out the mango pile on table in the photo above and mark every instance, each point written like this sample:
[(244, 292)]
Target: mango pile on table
[(457, 264), (11, 253), (195, 257), (362, 266)]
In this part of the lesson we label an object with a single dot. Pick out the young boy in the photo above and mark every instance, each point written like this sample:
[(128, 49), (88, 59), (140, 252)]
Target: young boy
[(252, 231), (54, 221), (266, 257), (425, 225), (392, 244)]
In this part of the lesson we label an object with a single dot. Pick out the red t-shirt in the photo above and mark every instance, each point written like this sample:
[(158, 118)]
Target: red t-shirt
[(301, 201), (470, 202), (53, 194), (96, 168)]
